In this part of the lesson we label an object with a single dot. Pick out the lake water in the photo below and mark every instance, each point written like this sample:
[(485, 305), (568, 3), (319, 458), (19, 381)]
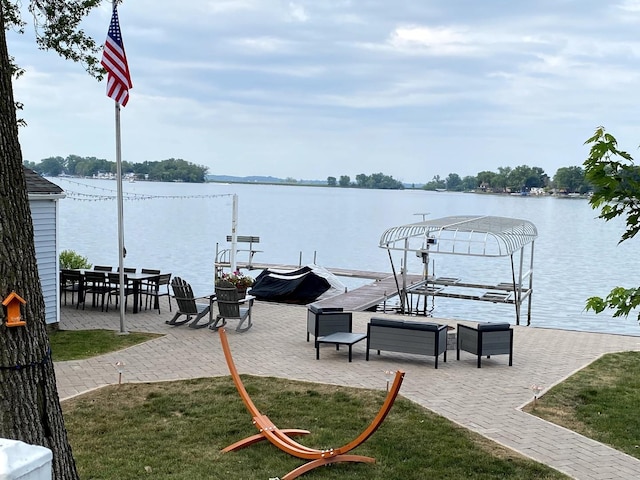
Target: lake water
[(177, 228)]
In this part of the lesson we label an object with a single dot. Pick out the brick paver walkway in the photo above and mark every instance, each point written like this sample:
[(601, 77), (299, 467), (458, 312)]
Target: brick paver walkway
[(485, 400)]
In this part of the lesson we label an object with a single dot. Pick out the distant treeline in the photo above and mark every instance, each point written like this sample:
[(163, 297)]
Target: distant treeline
[(376, 180), (170, 170), (519, 179)]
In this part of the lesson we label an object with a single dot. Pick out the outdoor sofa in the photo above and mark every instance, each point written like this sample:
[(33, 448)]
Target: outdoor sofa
[(405, 336)]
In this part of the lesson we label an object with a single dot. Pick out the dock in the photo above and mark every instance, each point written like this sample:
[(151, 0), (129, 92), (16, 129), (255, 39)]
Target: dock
[(367, 296), (359, 299)]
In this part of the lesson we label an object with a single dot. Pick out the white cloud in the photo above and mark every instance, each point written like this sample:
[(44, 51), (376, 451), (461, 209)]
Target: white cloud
[(259, 45), (298, 12), (309, 89), (440, 39)]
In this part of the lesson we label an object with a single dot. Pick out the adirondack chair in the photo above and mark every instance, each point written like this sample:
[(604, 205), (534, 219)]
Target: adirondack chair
[(229, 307), (187, 305)]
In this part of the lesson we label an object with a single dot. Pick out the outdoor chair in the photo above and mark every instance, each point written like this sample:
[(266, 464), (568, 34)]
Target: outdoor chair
[(95, 283), (154, 292), (147, 286), (187, 305), (113, 282), (69, 283), (230, 307), (327, 320), (486, 339), (102, 268)]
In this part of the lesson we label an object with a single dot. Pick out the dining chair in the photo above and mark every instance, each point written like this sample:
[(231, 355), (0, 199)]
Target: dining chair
[(128, 270), (96, 284), (69, 282), (113, 280), (102, 268), (157, 284), (147, 286)]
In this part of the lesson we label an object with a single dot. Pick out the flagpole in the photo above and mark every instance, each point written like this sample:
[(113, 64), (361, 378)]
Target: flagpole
[(234, 234), (123, 329)]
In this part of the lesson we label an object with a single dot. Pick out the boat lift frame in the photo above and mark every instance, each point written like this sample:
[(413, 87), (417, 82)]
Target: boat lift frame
[(470, 235)]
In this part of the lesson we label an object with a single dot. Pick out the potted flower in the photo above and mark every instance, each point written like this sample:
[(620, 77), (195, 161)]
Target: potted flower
[(237, 279)]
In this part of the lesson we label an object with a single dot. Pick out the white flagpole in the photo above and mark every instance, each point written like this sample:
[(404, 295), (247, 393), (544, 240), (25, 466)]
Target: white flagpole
[(234, 233), (123, 329)]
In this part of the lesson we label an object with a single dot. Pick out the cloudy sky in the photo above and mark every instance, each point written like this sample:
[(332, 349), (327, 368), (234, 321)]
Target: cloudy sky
[(309, 89)]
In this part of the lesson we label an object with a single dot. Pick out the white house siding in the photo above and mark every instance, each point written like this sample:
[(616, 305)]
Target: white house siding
[(44, 214)]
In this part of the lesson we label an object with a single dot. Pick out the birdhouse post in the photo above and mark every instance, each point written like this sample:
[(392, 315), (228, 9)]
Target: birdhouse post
[(13, 303)]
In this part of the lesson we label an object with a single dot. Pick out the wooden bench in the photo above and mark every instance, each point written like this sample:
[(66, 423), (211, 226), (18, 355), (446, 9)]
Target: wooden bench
[(250, 239)]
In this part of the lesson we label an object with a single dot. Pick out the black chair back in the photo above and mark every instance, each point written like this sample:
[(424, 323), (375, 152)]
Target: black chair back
[(183, 294)]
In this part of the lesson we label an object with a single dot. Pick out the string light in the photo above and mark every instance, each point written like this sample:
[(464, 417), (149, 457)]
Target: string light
[(112, 194)]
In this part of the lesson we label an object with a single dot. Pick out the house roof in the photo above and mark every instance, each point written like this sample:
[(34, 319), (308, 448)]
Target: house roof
[(36, 184)]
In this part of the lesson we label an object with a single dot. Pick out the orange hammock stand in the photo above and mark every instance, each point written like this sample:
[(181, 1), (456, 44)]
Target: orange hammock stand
[(281, 438)]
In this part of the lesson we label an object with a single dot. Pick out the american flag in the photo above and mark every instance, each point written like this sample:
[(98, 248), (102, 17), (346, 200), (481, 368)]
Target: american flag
[(114, 60)]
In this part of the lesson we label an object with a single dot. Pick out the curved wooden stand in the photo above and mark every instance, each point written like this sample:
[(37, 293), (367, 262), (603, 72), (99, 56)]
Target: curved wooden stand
[(281, 438)]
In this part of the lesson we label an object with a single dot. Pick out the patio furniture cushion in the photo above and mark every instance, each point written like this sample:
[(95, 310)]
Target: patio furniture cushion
[(315, 309), (493, 327), (406, 324)]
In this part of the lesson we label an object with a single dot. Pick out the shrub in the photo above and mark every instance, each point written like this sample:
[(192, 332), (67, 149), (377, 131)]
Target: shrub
[(71, 259)]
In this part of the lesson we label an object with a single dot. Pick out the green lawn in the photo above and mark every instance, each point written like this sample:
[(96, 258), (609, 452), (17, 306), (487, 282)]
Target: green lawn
[(79, 344), (177, 430), (600, 401)]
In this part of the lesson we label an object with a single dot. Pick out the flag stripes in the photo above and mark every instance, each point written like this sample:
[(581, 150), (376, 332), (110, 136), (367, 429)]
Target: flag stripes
[(114, 60)]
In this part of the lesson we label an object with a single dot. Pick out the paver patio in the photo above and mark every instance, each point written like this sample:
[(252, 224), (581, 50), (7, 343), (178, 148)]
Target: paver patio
[(485, 400)]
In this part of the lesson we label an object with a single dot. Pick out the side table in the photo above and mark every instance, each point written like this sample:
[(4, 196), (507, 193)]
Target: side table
[(340, 338)]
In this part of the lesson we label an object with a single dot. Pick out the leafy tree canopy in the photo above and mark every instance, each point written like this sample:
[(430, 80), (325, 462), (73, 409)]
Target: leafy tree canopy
[(616, 192), (169, 170)]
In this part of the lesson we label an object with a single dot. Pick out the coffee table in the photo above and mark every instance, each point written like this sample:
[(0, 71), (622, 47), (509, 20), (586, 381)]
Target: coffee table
[(339, 338)]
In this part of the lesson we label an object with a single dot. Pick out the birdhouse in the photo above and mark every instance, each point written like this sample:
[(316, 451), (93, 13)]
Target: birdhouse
[(14, 317)]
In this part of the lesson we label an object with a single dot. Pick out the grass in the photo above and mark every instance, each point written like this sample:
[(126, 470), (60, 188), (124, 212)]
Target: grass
[(600, 401), (80, 344), (177, 429)]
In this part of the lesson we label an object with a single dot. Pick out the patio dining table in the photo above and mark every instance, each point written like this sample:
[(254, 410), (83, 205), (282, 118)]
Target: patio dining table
[(135, 280)]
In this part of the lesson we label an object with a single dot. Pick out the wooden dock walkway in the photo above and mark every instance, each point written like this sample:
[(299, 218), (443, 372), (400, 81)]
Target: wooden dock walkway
[(367, 296)]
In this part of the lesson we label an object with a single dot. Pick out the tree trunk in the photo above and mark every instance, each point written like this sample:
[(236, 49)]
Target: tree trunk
[(29, 404)]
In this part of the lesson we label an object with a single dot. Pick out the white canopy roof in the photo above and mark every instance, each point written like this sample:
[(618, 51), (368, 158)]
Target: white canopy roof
[(486, 236)]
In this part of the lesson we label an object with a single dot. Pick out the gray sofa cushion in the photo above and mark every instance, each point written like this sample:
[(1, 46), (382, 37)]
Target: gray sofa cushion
[(315, 309), (493, 327), (423, 326), (385, 322), (407, 325)]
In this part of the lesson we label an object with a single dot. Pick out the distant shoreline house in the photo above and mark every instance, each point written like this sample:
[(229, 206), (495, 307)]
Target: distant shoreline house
[(43, 202)]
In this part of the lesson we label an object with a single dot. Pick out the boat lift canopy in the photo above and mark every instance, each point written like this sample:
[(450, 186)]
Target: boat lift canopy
[(471, 235)]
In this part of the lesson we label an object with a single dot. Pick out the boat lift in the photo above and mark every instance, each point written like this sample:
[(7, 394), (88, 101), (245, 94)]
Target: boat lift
[(470, 235)]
